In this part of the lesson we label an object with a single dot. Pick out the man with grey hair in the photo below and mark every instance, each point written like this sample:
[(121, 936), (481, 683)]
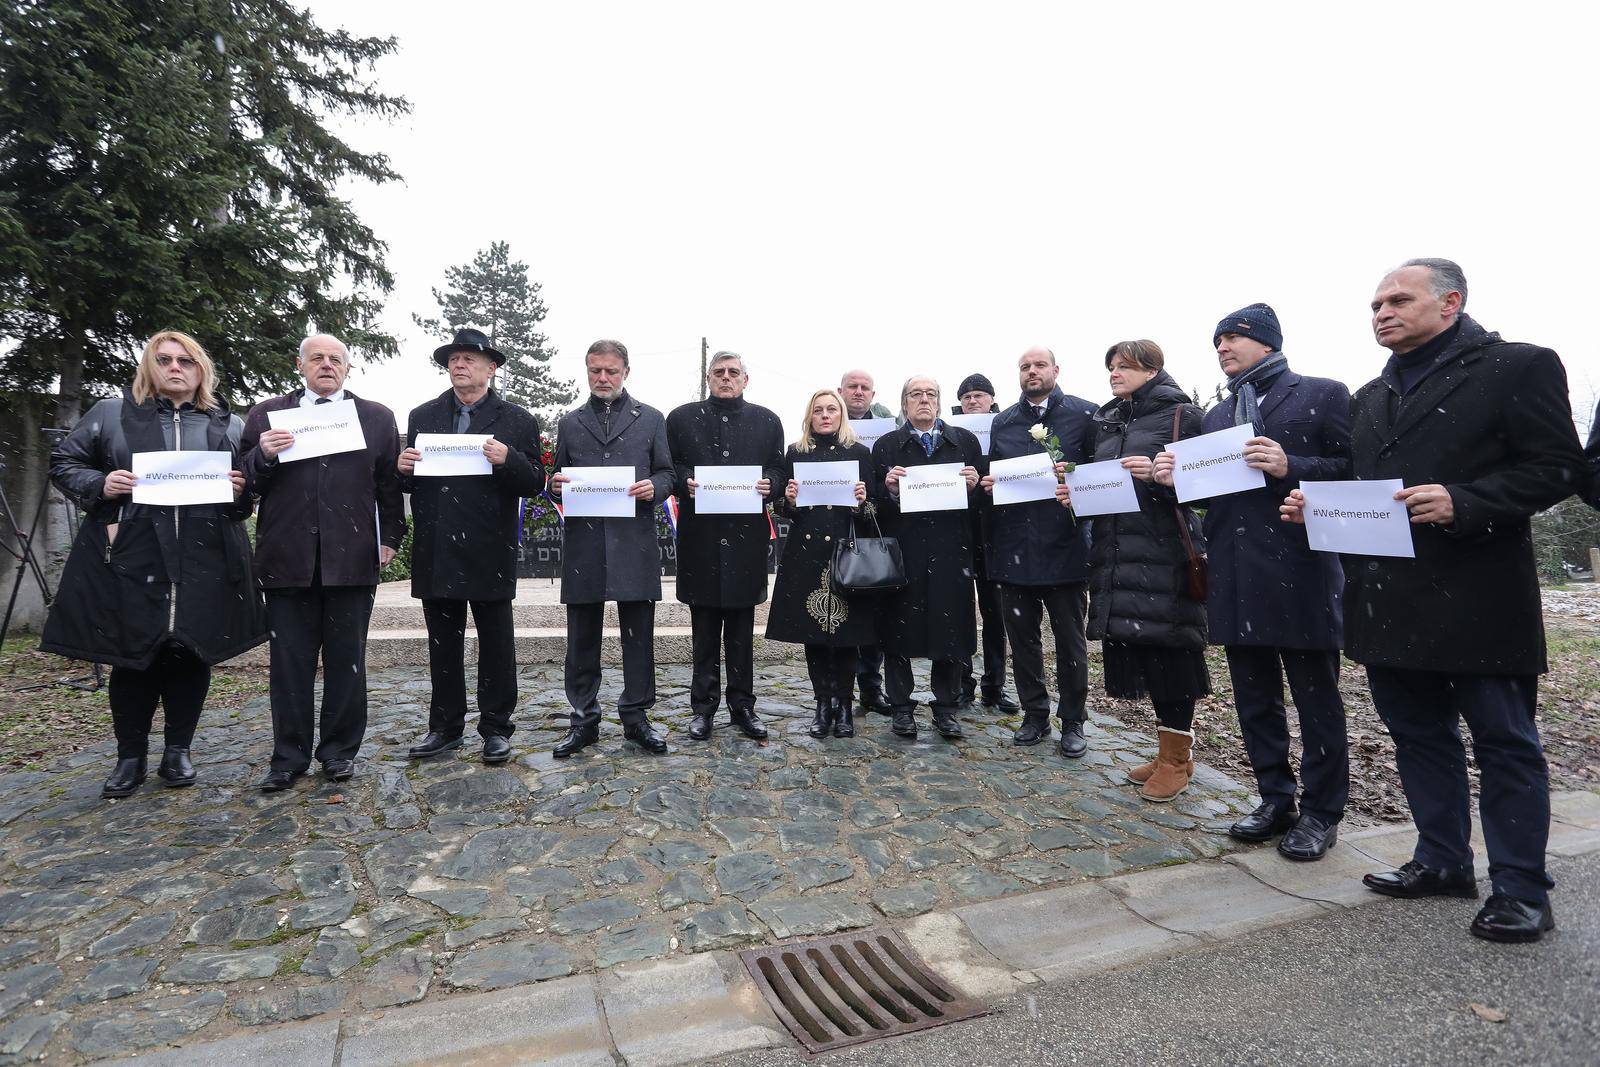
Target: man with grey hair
[(858, 390), (325, 527), (722, 558), (1479, 432)]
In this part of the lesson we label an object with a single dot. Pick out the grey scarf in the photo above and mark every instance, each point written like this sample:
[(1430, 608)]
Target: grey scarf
[(1243, 387)]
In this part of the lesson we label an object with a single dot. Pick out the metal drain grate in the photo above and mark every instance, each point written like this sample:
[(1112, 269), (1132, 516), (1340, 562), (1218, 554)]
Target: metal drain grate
[(842, 990)]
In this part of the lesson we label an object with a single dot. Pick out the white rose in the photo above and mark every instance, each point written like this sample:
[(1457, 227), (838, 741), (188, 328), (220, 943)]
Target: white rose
[(1038, 432)]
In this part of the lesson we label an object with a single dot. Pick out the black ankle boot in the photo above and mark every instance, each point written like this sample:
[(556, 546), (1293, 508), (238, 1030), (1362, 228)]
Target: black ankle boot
[(176, 769), (126, 776), (844, 718), (822, 722)]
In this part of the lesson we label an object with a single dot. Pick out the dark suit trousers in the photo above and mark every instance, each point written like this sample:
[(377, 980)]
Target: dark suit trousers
[(1422, 710), (497, 666), (1023, 608), (584, 625), (330, 621), (945, 676), (178, 680), (1258, 674), (723, 634), (994, 644)]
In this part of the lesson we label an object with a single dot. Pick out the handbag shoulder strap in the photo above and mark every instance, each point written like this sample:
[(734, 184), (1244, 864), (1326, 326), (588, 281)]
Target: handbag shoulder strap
[(1177, 508)]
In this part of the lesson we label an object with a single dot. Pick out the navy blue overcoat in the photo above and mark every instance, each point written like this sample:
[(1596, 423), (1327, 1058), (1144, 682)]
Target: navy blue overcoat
[(1039, 543)]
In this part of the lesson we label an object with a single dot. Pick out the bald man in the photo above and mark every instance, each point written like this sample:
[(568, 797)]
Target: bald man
[(324, 528)]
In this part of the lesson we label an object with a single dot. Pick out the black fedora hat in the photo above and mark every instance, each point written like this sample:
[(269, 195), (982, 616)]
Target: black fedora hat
[(467, 340)]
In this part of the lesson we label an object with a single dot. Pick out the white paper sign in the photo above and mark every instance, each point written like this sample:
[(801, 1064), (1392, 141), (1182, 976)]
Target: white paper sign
[(598, 493), (1023, 479), (451, 455), (1102, 489), (173, 479), (977, 425), (869, 430), (827, 483), (319, 430), (1213, 465), (727, 490), (1359, 518), (933, 487)]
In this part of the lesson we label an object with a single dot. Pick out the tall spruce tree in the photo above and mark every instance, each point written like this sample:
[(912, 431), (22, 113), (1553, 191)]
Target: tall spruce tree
[(493, 294), (166, 164)]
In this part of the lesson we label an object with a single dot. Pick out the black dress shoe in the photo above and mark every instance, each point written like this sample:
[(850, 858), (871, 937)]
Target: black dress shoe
[(1309, 839), (821, 721), (700, 725), (175, 769), (578, 738), (434, 744), (1414, 880), (339, 770), (872, 700), (1001, 701), (278, 781), (125, 777), (1273, 817), (1035, 729), (844, 719), (944, 721), (1073, 743), (746, 722), (496, 749), (1505, 918), (904, 723), (644, 735)]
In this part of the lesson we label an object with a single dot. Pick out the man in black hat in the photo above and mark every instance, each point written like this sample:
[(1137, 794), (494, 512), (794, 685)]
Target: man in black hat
[(465, 547), (976, 394)]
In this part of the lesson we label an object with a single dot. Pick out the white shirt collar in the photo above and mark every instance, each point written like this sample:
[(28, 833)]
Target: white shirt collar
[(308, 398)]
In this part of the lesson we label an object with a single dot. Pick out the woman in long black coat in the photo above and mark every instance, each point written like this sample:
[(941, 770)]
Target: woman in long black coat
[(159, 593), (1153, 633), (805, 610)]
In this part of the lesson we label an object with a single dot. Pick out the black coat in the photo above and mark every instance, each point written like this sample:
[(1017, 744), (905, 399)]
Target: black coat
[(465, 529), (615, 559), (1039, 543), (1138, 574), (324, 508), (804, 611), (172, 573), (934, 615), (1493, 424), (1267, 586), (722, 559)]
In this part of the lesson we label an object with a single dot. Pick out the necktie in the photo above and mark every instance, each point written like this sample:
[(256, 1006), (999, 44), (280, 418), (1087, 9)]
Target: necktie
[(323, 400), (463, 416), (1038, 411), (927, 442)]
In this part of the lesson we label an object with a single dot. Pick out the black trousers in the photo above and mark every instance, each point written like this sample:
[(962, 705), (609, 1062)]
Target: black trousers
[(497, 666), (1023, 608), (1258, 673), (723, 634), (178, 680), (330, 621), (994, 645), (1422, 710), (869, 668), (946, 679), (584, 625), (833, 672)]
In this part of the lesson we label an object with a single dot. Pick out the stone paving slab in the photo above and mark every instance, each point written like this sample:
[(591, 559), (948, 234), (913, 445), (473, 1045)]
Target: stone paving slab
[(1061, 933), (1213, 901), (683, 1010), (1576, 808), (1335, 879), (306, 1045)]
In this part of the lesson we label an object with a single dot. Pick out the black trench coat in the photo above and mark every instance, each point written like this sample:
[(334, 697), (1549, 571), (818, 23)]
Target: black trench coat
[(615, 559), (464, 540), (1493, 424), (934, 615), (115, 603), (722, 559), (804, 611)]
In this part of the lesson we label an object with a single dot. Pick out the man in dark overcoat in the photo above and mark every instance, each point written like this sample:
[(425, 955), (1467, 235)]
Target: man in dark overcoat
[(1274, 604), (1479, 431), (324, 529), (1038, 553), (464, 548), (976, 394), (615, 559), (722, 559), (932, 616), (859, 391)]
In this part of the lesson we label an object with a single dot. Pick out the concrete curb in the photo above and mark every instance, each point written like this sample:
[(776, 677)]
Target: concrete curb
[(692, 1008)]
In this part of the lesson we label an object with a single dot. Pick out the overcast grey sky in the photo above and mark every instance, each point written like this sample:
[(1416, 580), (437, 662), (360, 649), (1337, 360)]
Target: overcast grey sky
[(929, 187)]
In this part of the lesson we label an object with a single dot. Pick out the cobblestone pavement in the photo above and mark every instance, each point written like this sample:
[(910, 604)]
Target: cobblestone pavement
[(180, 915)]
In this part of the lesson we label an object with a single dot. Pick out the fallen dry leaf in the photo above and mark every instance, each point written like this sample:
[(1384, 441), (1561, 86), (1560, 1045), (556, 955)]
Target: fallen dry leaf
[(1488, 1014), (337, 798)]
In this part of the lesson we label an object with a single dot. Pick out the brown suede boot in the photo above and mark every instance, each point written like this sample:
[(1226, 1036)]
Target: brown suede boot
[(1141, 774), (1174, 766)]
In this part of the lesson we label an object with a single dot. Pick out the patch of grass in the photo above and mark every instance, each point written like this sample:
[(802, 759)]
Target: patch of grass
[(291, 963)]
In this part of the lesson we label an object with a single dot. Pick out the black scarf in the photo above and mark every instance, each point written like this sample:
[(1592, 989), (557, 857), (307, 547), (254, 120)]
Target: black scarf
[(1246, 408)]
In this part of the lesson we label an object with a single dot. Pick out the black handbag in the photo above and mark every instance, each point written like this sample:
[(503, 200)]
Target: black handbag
[(863, 565)]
